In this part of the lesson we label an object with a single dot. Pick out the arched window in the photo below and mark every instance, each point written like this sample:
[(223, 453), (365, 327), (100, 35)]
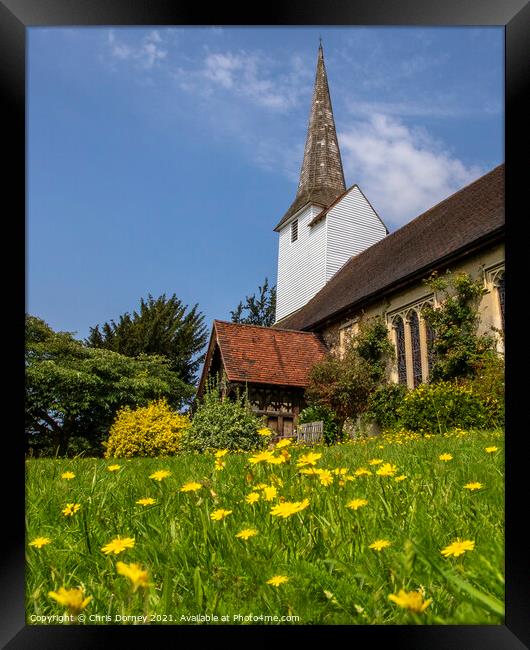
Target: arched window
[(414, 324), (400, 345), (429, 340), (500, 292)]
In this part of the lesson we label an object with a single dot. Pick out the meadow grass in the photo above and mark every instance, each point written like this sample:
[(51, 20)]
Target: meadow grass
[(197, 566)]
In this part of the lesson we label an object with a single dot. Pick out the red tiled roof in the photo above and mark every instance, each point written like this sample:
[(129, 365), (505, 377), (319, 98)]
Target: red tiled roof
[(265, 355)]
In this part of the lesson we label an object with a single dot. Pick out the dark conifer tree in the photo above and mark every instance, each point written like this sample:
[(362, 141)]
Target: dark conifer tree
[(162, 326), (257, 311)]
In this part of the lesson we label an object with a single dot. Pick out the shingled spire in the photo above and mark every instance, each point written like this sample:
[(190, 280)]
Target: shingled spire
[(321, 176)]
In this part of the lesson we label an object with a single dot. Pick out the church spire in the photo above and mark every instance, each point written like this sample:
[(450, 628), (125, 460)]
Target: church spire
[(321, 175)]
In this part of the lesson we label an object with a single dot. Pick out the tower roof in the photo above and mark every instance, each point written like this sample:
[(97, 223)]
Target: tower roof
[(321, 175)]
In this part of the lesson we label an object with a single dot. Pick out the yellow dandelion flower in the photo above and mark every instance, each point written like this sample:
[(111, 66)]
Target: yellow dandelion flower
[(146, 501), (326, 477), (276, 581), (221, 453), (288, 508), (114, 468), (402, 477), (354, 504), (160, 475), (67, 476), (379, 544), (137, 576), (340, 471), (375, 461), (308, 459), (387, 470), (39, 542), (219, 514), (192, 486), (219, 465), (252, 497), (269, 493), (72, 599), (277, 460), (261, 457), (412, 600), (490, 450), (283, 443), (246, 533), (264, 432), (311, 471), (260, 486), (362, 471), (118, 545), (473, 485), (445, 457), (458, 547), (71, 509)]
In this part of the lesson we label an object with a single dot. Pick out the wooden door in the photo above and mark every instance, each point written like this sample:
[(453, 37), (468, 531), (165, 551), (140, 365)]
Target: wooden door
[(287, 427)]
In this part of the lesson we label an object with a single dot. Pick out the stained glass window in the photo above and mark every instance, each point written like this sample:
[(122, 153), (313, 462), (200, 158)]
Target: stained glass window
[(429, 334), (500, 291), (400, 344), (414, 324)]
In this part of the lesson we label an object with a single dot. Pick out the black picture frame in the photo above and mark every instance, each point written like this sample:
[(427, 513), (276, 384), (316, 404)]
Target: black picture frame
[(18, 15)]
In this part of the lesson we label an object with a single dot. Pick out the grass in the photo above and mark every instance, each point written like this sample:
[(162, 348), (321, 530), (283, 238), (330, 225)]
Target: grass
[(198, 568)]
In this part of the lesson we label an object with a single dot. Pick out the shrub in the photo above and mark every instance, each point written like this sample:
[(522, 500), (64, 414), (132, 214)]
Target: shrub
[(223, 424), (441, 406), (373, 345), (343, 384), (488, 385), (327, 416), (383, 405), (152, 430)]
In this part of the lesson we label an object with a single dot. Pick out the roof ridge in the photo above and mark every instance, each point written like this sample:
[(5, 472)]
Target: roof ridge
[(264, 327), (447, 198), (405, 226), (304, 318)]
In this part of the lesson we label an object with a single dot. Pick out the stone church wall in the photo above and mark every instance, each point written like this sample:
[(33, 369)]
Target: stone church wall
[(485, 265)]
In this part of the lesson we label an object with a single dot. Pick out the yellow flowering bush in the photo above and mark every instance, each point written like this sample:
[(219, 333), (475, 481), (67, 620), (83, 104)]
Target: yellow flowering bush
[(440, 406), (152, 430)]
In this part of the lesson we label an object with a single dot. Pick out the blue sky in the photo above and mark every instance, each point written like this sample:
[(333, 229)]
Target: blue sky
[(160, 159)]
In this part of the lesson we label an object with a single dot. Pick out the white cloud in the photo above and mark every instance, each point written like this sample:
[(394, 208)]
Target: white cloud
[(253, 77), (402, 171), (145, 55)]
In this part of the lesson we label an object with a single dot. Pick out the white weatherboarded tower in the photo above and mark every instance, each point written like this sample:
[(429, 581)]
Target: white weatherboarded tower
[(326, 224)]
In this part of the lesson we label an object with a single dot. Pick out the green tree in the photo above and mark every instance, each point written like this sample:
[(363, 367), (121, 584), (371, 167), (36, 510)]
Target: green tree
[(344, 384), (160, 327), (259, 310), (457, 349), (74, 391), (223, 423), (373, 345)]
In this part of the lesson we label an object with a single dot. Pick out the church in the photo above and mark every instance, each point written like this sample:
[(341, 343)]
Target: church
[(338, 263)]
